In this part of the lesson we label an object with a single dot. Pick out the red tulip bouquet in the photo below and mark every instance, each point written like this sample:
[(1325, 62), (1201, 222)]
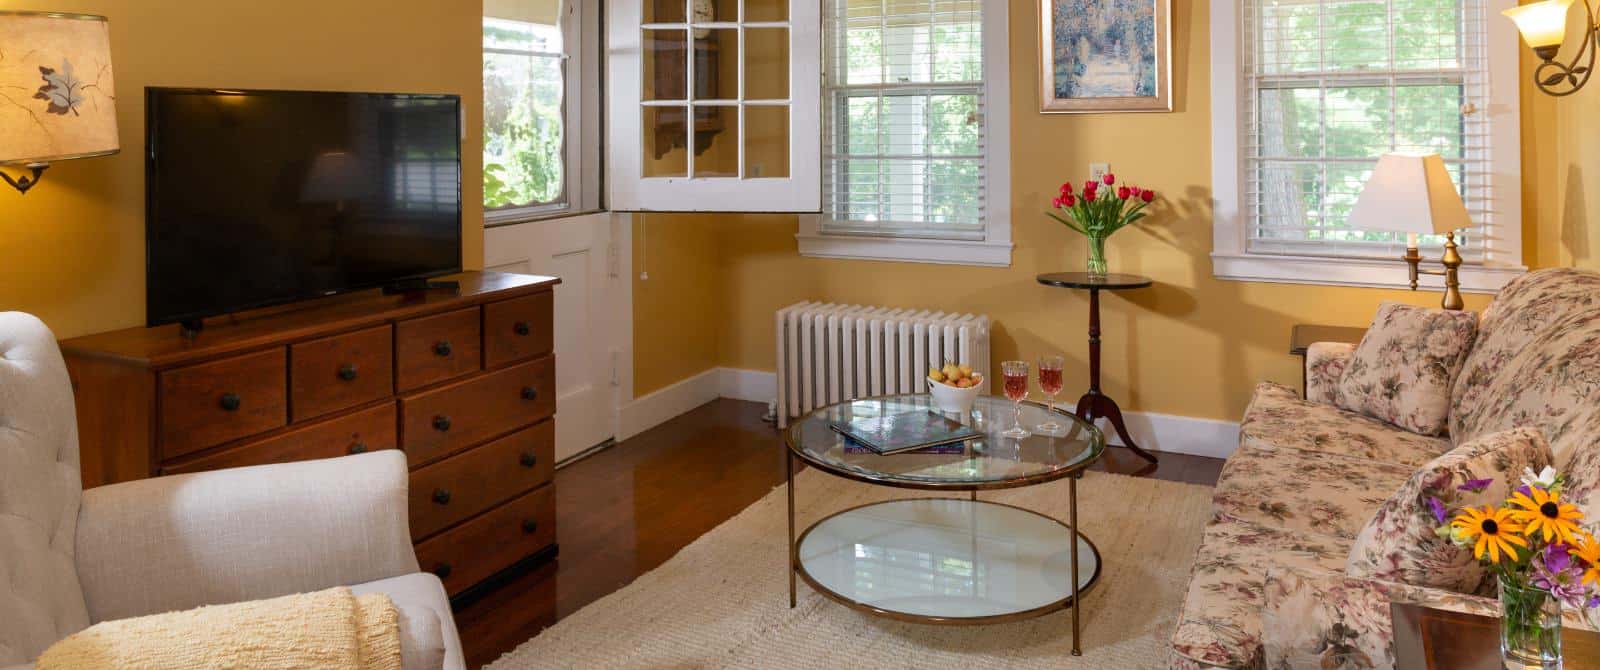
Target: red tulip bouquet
[(1098, 212)]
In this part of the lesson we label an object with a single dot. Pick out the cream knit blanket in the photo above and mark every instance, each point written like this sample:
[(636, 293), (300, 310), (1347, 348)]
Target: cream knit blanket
[(328, 629)]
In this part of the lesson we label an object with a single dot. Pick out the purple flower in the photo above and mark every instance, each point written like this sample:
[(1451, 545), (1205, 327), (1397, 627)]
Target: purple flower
[(1594, 602), (1439, 512), (1525, 490), (1475, 485), (1554, 571), (1557, 557)]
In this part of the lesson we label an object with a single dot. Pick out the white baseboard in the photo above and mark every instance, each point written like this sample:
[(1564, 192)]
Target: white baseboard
[(662, 405), (1155, 432)]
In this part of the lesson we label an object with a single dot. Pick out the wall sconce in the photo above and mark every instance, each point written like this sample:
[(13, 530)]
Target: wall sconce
[(64, 60), (1544, 26)]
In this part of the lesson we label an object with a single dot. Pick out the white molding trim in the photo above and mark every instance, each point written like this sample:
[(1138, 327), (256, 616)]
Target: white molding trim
[(1156, 432), (1231, 258), (662, 405), (1363, 272), (901, 249)]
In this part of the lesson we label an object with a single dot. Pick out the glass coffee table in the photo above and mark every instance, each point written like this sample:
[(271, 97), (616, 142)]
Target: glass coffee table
[(947, 560)]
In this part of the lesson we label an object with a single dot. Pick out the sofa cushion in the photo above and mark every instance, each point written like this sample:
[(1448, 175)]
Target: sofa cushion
[(1220, 625), (1583, 483), (1325, 364), (1399, 543), (1536, 363), (1279, 419), (1302, 491), (1402, 370)]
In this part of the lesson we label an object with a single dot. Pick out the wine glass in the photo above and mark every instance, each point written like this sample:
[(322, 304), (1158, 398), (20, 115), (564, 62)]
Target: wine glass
[(1015, 374), (1050, 383)]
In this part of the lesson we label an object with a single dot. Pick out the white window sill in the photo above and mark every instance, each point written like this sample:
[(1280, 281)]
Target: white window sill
[(1364, 272), (906, 250)]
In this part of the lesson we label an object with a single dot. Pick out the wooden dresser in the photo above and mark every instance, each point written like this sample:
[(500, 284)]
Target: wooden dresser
[(463, 381)]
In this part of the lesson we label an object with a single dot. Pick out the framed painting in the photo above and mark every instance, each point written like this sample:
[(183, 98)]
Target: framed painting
[(1105, 56)]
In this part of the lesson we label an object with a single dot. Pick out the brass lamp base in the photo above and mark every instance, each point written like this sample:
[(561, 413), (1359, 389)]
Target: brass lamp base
[(1452, 264)]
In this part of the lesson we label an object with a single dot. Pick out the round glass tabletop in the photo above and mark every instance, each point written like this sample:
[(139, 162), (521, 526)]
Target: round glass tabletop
[(990, 461)]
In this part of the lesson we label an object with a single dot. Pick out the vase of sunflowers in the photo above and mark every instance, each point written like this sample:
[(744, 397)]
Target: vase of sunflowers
[(1097, 212), (1541, 557)]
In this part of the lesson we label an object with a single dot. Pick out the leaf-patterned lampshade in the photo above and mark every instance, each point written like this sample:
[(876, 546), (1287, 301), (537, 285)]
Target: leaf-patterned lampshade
[(57, 97)]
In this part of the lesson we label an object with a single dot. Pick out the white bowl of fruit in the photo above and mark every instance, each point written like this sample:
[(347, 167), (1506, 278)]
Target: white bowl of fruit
[(954, 387)]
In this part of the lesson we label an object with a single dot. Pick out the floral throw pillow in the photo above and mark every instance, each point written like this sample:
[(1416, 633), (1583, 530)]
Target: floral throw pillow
[(1399, 543), (1402, 370)]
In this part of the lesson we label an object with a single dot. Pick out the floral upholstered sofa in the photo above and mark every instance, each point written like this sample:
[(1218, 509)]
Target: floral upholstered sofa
[(1308, 476)]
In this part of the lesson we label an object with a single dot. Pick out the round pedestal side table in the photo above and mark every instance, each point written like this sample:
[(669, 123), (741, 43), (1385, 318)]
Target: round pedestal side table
[(1095, 404)]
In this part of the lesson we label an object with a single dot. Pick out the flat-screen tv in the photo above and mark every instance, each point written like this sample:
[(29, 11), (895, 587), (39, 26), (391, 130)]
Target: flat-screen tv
[(256, 198)]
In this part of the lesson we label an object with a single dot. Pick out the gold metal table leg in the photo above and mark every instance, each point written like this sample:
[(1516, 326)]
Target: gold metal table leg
[(788, 466), (1072, 512)]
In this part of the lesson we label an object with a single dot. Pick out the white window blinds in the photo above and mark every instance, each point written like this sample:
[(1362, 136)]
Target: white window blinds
[(904, 125), (1330, 86)]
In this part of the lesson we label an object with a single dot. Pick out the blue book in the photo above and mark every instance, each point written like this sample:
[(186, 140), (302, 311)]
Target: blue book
[(908, 431)]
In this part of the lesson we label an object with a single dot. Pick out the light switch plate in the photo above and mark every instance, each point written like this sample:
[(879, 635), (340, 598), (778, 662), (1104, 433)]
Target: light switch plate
[(1098, 170)]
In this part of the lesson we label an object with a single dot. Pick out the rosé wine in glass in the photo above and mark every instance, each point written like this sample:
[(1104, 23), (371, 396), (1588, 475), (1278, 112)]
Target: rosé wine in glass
[(1050, 383), (1015, 374)]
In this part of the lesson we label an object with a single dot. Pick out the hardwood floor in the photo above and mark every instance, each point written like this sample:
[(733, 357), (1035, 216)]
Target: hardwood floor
[(626, 510)]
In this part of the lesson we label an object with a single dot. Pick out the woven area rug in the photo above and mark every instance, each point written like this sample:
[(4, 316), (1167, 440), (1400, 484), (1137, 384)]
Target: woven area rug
[(723, 601)]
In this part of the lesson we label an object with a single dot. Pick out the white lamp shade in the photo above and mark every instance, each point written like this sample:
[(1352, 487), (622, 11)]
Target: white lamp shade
[(1542, 24), (62, 100), (1410, 193)]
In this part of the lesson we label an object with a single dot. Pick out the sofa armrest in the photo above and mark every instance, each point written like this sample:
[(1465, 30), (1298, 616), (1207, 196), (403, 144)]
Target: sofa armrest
[(1325, 363), (174, 543)]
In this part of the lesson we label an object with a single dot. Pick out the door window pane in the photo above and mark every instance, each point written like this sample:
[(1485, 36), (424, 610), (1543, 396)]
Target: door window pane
[(523, 86)]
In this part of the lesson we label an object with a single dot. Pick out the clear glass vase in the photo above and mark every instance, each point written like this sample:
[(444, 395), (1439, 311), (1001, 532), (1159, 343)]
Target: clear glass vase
[(1097, 255), (1530, 627)]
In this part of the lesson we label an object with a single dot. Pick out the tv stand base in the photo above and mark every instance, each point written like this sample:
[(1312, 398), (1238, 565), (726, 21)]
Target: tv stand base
[(190, 328), (418, 285)]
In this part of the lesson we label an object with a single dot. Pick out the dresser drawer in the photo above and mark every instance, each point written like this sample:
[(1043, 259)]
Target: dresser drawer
[(517, 329), (210, 403), (477, 549), (340, 372), (360, 432), (439, 347), (461, 486), (446, 420)]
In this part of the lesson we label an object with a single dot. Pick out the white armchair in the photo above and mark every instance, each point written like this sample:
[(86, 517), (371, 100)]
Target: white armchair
[(70, 558)]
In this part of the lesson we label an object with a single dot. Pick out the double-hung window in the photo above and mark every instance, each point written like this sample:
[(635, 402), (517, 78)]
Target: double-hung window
[(539, 158), (915, 159), (1307, 94)]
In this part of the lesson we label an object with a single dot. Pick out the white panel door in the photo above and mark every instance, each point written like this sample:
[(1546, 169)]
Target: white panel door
[(579, 250), (714, 105)]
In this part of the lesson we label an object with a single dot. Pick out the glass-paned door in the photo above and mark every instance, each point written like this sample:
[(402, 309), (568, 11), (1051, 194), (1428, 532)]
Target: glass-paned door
[(714, 105)]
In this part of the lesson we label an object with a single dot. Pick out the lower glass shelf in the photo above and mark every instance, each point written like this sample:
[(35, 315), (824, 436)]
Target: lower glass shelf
[(946, 561)]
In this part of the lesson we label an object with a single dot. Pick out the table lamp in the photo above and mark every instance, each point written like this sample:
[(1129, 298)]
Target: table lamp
[(60, 100), (1413, 194)]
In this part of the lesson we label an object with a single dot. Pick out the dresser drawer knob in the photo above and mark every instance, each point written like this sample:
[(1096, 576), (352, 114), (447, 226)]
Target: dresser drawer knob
[(528, 459), (530, 393), (441, 496), (441, 348), (358, 448), (441, 423), (230, 401), (530, 526), (347, 372), (521, 328), (442, 570)]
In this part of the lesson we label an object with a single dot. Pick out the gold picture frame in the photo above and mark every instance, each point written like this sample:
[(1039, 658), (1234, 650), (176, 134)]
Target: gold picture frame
[(1123, 59)]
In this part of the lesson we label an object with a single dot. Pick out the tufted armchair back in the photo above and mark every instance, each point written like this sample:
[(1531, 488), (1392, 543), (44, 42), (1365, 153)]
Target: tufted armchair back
[(40, 489)]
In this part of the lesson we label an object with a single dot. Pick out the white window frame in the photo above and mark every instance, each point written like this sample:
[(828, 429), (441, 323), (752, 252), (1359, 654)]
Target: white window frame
[(581, 127), (994, 250), (1231, 258), (629, 190)]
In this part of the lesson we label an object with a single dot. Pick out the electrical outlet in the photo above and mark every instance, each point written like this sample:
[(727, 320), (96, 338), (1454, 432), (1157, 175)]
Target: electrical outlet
[(1098, 170)]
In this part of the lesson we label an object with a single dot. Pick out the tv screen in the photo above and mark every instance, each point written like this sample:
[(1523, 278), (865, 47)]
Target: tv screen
[(255, 198)]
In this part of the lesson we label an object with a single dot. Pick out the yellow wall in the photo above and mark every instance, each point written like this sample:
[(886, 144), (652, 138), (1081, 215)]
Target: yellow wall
[(1192, 346), (72, 250)]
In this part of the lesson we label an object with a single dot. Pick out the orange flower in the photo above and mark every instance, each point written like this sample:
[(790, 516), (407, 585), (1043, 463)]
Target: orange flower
[(1494, 529), (1544, 513), (1588, 551)]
